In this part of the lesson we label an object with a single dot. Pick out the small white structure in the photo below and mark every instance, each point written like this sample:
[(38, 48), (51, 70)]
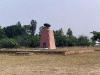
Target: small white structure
[(97, 43)]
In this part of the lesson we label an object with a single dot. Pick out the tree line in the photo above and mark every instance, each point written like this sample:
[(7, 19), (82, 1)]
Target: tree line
[(14, 36)]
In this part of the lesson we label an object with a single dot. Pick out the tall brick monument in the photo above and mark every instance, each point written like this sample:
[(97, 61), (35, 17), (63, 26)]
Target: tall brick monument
[(47, 38)]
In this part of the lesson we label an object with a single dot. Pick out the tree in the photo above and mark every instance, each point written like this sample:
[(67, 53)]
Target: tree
[(22, 39), (14, 30), (18, 23), (40, 30), (27, 28), (33, 27), (60, 38), (61, 41), (69, 33), (33, 41), (59, 32), (83, 41), (2, 33), (8, 43), (72, 41), (96, 35)]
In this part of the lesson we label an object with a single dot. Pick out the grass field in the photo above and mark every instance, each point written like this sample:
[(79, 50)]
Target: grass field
[(45, 64)]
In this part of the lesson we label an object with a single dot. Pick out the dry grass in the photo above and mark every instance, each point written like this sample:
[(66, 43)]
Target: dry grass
[(76, 64)]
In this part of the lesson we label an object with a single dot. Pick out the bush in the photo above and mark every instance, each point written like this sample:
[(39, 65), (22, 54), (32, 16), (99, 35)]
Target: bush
[(72, 41), (92, 43), (8, 43), (22, 40), (83, 41), (33, 41), (61, 41)]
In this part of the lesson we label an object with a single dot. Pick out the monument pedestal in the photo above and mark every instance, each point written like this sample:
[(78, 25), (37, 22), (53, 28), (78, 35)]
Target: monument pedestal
[(47, 39)]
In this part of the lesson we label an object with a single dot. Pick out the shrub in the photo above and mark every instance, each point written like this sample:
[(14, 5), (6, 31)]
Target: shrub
[(33, 41), (22, 40), (83, 41), (61, 41), (8, 43)]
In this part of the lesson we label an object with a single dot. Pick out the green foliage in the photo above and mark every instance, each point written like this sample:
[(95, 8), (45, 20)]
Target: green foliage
[(92, 43), (96, 35), (83, 41), (2, 33), (33, 41), (27, 29), (69, 33), (72, 41), (28, 40), (22, 40), (18, 23), (59, 32), (61, 41), (25, 36), (8, 43), (40, 29), (33, 27), (14, 30)]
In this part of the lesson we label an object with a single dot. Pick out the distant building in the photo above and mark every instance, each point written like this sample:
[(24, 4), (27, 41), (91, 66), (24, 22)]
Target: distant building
[(97, 43)]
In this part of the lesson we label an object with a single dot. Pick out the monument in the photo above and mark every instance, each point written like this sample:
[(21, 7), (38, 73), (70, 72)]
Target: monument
[(47, 38)]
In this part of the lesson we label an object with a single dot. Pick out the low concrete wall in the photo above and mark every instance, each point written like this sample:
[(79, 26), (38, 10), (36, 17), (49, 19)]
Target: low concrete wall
[(78, 51), (50, 52)]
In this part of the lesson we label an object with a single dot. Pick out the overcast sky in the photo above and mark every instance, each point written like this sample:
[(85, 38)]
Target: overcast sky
[(82, 16)]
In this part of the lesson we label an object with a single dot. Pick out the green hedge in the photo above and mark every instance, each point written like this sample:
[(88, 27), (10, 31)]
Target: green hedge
[(8, 43)]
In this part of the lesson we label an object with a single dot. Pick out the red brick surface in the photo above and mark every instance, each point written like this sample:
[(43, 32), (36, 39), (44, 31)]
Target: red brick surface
[(47, 37)]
